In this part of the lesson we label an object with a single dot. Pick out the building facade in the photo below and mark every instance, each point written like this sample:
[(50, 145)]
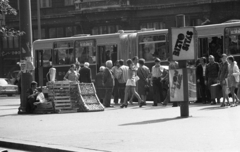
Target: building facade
[(63, 18)]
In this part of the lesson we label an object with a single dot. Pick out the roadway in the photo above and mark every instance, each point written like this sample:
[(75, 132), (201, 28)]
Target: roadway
[(210, 128)]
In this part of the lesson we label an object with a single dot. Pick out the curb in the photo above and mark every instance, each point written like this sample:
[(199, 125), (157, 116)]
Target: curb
[(36, 147)]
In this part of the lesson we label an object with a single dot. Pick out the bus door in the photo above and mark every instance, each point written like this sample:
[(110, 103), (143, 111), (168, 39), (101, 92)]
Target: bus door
[(106, 52), (43, 64), (39, 67), (211, 46)]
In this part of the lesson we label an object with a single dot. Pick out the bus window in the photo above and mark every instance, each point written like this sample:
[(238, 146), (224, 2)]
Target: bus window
[(232, 40), (234, 44), (85, 51), (153, 46), (47, 57), (107, 52), (63, 53)]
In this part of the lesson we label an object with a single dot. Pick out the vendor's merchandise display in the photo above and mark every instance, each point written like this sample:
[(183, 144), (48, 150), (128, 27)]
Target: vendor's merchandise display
[(84, 96), (59, 92), (74, 97)]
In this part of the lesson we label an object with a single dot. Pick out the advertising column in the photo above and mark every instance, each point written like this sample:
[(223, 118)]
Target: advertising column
[(183, 48)]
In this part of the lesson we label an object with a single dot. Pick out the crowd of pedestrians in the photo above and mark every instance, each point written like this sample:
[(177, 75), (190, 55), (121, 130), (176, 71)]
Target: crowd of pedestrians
[(134, 80), (130, 81), (226, 74)]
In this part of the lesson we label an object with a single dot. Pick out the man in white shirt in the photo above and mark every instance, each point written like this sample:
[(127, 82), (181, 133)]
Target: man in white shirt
[(157, 71), (123, 77)]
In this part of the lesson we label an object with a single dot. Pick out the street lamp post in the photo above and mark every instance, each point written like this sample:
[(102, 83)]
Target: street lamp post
[(26, 49)]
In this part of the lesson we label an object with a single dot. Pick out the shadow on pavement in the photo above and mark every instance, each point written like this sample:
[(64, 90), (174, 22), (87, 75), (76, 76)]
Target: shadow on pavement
[(214, 108), (152, 121), (10, 105)]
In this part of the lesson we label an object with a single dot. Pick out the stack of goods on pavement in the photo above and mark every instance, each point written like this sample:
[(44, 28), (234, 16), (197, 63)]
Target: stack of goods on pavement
[(59, 93), (73, 97), (84, 97)]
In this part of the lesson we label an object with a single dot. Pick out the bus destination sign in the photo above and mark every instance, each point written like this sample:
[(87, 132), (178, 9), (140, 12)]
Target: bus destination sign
[(86, 43), (235, 31)]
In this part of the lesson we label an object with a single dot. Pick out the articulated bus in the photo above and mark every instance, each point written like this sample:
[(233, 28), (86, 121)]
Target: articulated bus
[(148, 44)]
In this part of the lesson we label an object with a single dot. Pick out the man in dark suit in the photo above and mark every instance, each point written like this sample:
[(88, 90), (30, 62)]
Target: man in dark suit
[(85, 74), (200, 73), (99, 79), (108, 84)]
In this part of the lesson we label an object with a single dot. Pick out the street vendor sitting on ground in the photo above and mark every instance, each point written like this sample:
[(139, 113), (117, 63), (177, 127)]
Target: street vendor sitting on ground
[(35, 97), (32, 94)]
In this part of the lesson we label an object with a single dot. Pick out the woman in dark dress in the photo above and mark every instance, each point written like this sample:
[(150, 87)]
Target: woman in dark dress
[(143, 72)]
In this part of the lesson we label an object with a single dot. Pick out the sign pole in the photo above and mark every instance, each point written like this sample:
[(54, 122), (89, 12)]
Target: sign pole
[(183, 47), (184, 105), (25, 46)]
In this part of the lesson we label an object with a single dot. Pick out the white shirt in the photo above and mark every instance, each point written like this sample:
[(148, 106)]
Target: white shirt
[(204, 69)]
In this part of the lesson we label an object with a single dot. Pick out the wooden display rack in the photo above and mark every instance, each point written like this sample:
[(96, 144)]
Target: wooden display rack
[(85, 98), (73, 97), (59, 93)]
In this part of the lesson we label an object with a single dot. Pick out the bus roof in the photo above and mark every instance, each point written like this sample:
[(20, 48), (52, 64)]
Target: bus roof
[(214, 29), (48, 43)]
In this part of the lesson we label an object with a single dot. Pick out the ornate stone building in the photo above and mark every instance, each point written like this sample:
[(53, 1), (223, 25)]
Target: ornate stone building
[(62, 18)]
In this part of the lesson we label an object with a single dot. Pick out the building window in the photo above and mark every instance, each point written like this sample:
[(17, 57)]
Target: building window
[(60, 32), (155, 25), (16, 42), (10, 42), (52, 33), (5, 43), (68, 2), (45, 3), (105, 29)]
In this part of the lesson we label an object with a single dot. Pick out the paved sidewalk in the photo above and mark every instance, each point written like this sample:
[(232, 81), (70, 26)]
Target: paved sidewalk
[(210, 128)]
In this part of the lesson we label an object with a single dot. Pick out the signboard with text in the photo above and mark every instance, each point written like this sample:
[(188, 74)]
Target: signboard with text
[(183, 43)]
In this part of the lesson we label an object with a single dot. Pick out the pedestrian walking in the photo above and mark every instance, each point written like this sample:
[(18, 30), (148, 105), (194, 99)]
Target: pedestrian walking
[(131, 85), (99, 84), (85, 74), (233, 78), (157, 72), (200, 73), (212, 71), (135, 66), (222, 76), (123, 77), (143, 84), (116, 72), (108, 84)]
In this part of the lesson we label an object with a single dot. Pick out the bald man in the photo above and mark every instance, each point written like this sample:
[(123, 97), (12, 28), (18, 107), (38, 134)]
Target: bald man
[(212, 71)]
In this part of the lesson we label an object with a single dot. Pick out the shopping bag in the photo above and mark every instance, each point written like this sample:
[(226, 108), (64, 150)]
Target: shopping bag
[(216, 91)]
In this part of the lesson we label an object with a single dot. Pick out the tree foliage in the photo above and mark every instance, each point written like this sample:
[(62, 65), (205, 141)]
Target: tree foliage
[(6, 9)]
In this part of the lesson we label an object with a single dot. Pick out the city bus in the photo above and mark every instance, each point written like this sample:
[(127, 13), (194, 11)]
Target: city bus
[(146, 43), (62, 52)]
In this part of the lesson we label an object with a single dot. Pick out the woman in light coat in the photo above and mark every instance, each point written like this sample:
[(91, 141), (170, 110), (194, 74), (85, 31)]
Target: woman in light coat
[(233, 78)]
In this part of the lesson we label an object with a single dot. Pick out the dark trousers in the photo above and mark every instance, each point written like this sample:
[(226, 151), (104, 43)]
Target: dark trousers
[(121, 91), (116, 91), (157, 91), (30, 107), (107, 97), (210, 82), (203, 92)]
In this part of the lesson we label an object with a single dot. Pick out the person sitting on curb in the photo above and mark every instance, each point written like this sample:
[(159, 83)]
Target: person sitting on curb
[(32, 94)]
